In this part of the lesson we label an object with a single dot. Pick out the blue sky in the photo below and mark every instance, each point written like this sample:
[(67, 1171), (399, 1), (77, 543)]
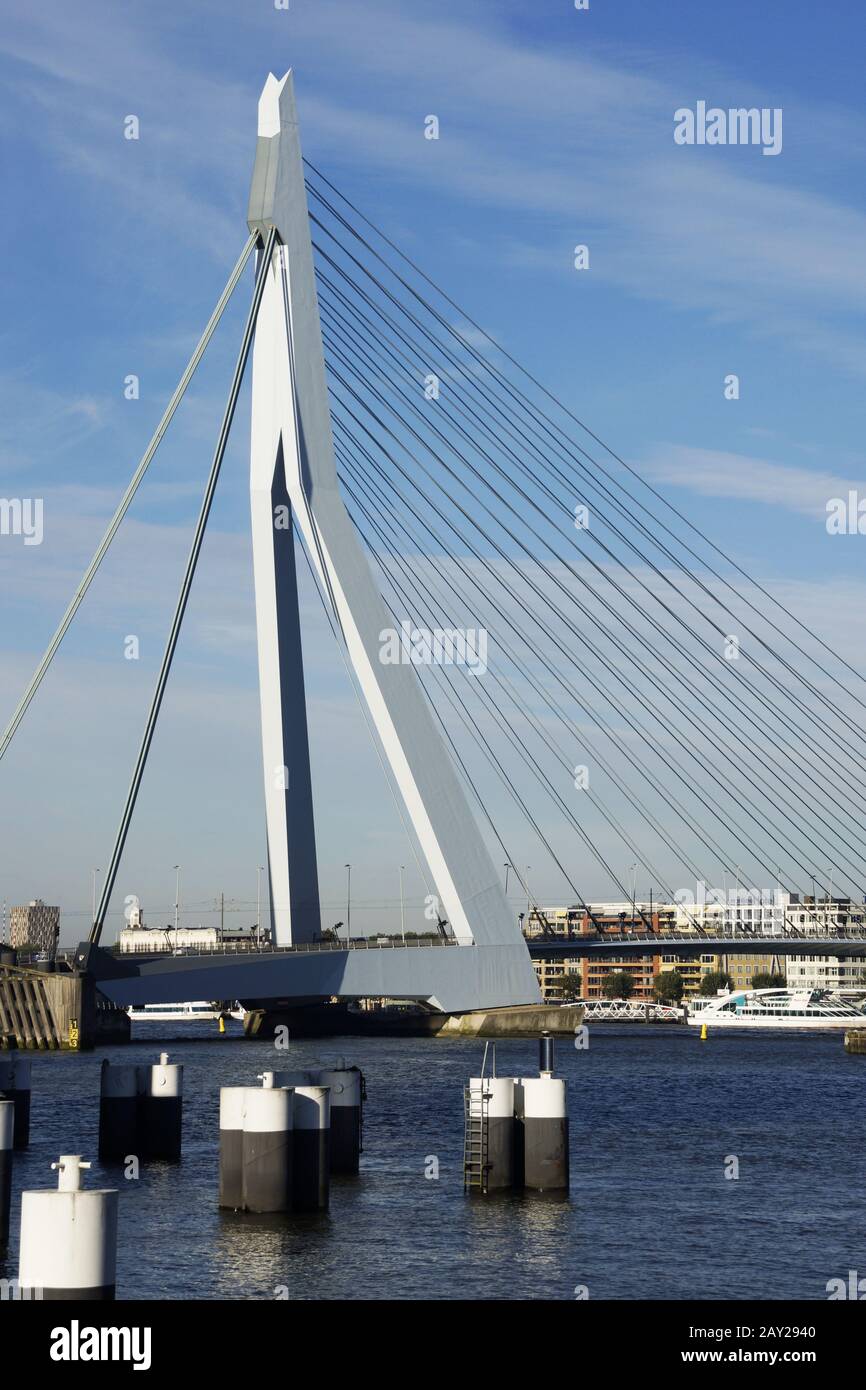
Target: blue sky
[(556, 128)]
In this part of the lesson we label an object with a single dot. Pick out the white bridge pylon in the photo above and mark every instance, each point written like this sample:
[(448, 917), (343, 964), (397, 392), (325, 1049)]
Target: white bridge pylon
[(293, 466)]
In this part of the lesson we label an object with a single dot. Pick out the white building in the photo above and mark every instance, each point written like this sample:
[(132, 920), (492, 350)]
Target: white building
[(826, 972), (135, 940), (771, 912), (765, 912)]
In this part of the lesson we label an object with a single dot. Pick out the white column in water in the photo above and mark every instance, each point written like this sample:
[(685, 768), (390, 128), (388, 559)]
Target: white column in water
[(292, 868), (289, 333)]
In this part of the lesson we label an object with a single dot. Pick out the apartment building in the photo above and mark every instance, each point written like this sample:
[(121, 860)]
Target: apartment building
[(35, 925)]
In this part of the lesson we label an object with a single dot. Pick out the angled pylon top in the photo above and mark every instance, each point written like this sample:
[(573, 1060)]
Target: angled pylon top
[(278, 151)]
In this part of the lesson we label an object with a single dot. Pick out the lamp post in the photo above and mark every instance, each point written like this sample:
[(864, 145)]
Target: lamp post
[(176, 901), (259, 869), (402, 908), (506, 868), (526, 880), (348, 869)]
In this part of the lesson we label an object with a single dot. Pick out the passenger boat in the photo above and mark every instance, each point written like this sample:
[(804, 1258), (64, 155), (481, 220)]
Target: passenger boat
[(193, 1011), (776, 1008)]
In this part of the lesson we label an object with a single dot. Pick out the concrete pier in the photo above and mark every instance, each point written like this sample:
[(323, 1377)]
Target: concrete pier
[(518, 1021), (55, 1010)]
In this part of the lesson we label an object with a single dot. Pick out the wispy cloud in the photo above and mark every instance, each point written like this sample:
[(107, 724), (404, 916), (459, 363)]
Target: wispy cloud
[(744, 477)]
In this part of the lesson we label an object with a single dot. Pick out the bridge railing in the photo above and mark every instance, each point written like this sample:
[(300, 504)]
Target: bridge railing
[(663, 939), (220, 948)]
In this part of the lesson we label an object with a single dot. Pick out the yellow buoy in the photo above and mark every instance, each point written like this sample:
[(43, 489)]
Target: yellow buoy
[(222, 1023), (703, 1032)]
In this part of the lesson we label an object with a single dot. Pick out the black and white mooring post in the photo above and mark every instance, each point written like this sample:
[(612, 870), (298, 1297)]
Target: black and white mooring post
[(68, 1239), (141, 1111), (161, 1112), (489, 1140), (542, 1107), (267, 1147), (7, 1130), (118, 1113), (231, 1194), (346, 1085), (311, 1148), (15, 1085)]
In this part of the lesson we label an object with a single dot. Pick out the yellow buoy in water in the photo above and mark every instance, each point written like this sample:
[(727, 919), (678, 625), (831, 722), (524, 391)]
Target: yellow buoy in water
[(703, 1032), (222, 1023)]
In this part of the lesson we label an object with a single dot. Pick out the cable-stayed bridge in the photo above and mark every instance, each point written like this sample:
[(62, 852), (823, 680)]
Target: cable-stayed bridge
[(527, 621)]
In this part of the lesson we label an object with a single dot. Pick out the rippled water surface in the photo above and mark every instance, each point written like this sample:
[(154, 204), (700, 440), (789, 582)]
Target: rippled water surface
[(655, 1115)]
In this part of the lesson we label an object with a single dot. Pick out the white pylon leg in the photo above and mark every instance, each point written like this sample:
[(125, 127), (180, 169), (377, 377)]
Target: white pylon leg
[(292, 869), (290, 396)]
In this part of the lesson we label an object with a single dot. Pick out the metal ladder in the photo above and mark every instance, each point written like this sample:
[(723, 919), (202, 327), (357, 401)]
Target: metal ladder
[(476, 1102)]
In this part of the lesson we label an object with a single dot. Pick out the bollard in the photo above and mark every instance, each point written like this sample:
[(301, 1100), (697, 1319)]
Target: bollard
[(141, 1111), (345, 1084), (545, 1055), (118, 1113), (231, 1194), (15, 1084), (490, 1130), (541, 1105), (7, 1130), (346, 1087), (161, 1109), (267, 1149), (68, 1239), (310, 1149)]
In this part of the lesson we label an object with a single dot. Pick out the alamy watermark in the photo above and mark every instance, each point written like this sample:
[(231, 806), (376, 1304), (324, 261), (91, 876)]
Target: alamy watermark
[(22, 516), (853, 1288), (438, 646), (712, 125), (846, 516), (12, 1292)]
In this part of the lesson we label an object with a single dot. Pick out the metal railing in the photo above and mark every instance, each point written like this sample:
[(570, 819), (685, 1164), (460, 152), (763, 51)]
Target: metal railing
[(690, 938), (266, 948)]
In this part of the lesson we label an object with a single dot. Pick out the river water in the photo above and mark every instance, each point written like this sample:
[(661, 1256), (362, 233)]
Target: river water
[(657, 1118)]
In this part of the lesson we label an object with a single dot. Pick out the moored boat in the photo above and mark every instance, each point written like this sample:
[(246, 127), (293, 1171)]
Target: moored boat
[(777, 1008)]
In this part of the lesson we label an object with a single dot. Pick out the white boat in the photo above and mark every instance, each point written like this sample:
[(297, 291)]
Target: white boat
[(776, 1008), (198, 1010)]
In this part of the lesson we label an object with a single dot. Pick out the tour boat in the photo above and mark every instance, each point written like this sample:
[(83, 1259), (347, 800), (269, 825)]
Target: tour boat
[(776, 1008), (198, 1010)]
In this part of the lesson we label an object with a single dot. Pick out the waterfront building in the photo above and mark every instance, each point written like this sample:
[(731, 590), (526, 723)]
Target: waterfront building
[(826, 972), (691, 968), (743, 968), (765, 912), (35, 925), (592, 973), (771, 912), (137, 939)]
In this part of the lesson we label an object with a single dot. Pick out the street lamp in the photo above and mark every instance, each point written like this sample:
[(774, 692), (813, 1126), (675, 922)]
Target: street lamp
[(259, 872), (402, 908), (506, 867), (348, 869), (176, 901)]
